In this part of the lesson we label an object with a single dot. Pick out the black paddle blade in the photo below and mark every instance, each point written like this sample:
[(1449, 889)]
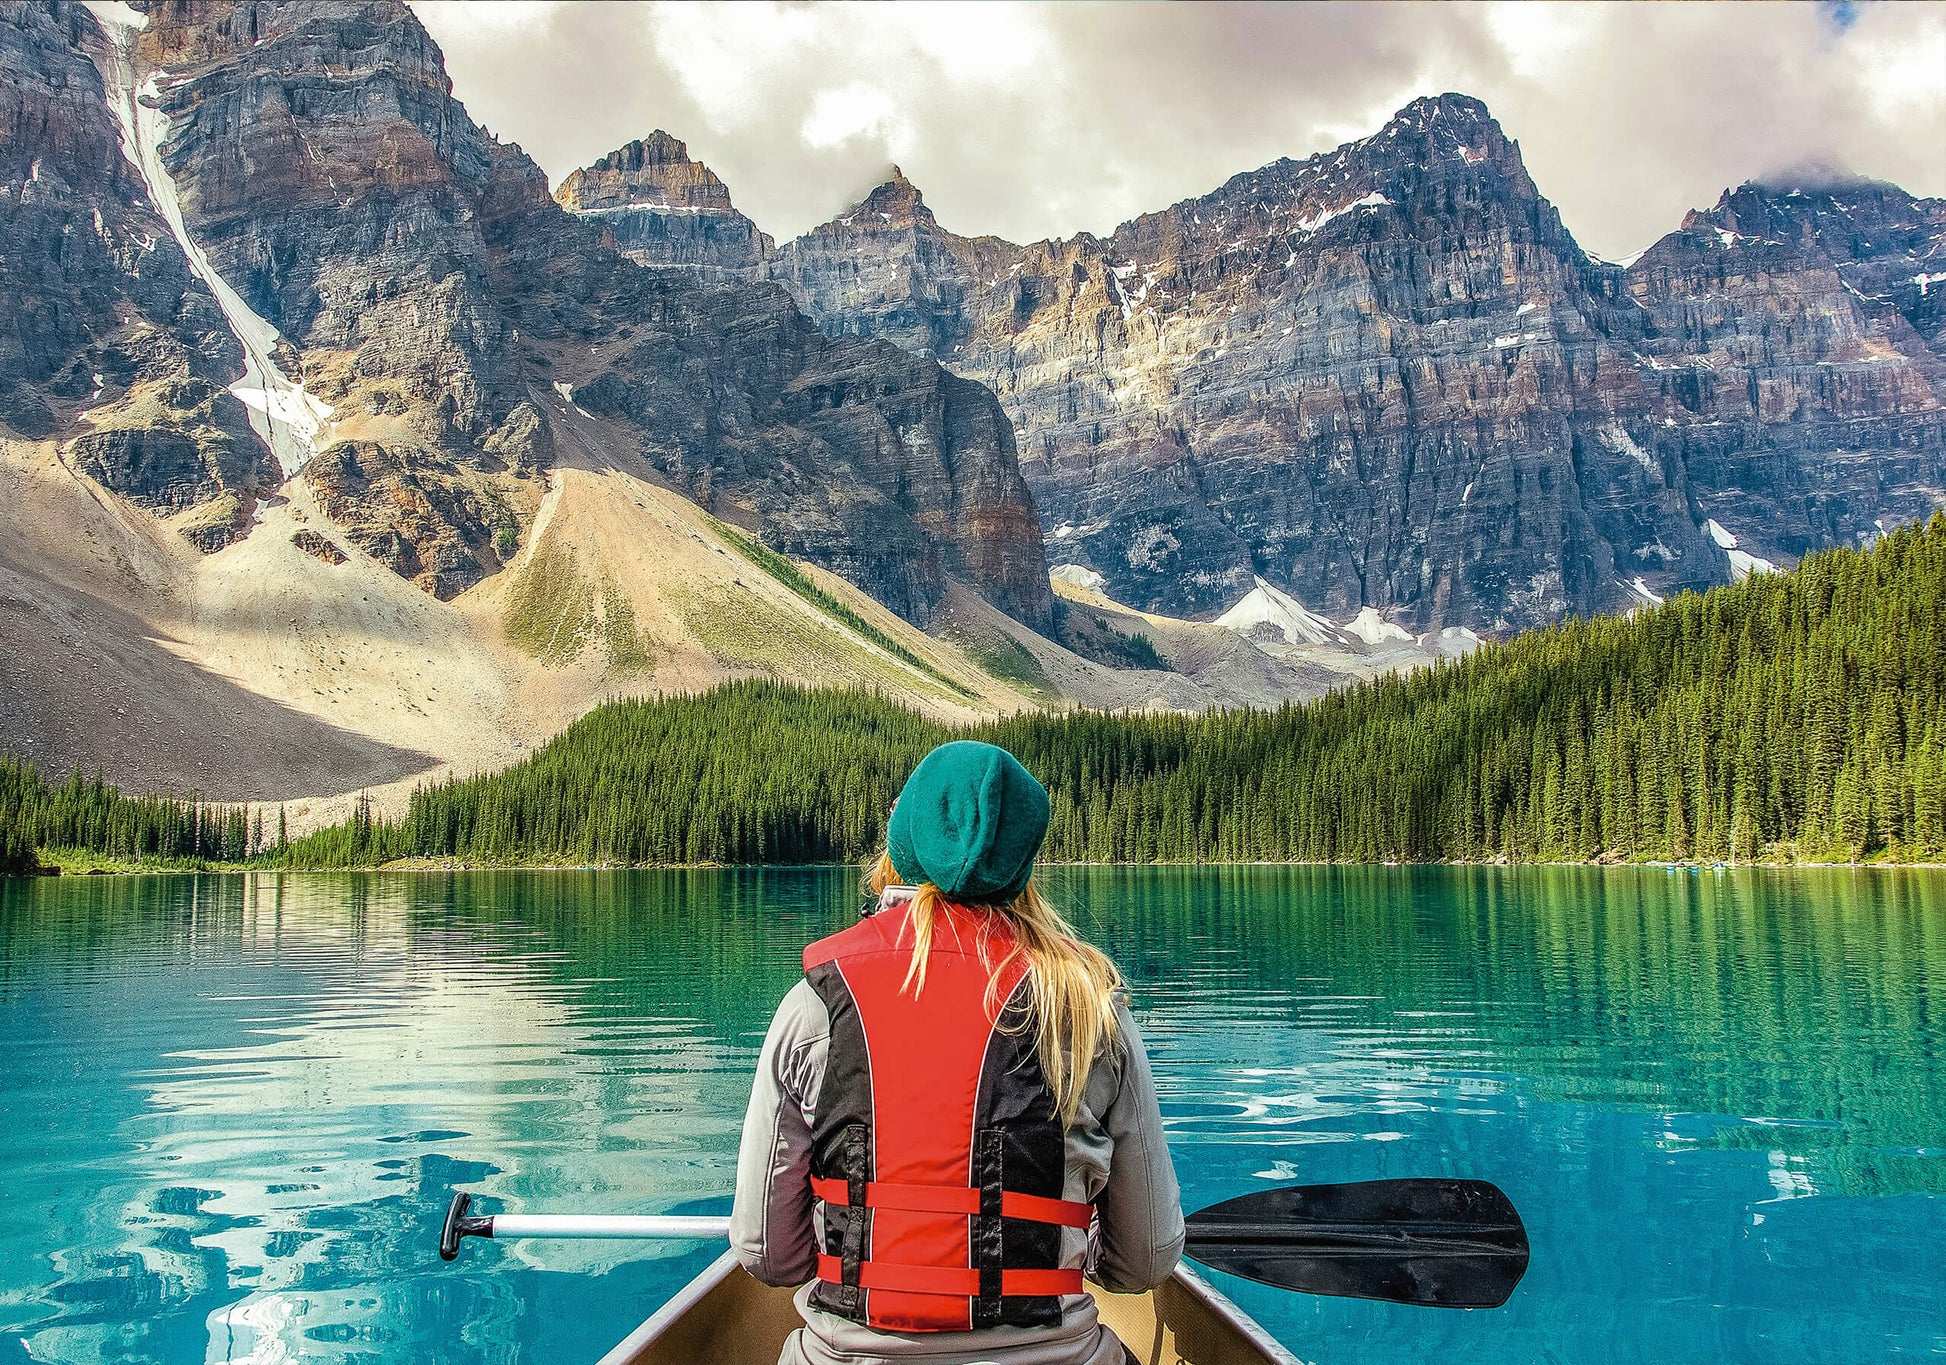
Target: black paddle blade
[(1438, 1243)]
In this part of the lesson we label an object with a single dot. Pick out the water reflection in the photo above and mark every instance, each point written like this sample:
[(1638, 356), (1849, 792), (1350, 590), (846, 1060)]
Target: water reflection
[(282, 1077), (233, 1107), (1760, 994)]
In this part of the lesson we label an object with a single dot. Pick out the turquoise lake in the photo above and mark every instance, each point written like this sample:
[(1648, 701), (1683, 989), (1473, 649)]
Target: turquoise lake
[(232, 1108)]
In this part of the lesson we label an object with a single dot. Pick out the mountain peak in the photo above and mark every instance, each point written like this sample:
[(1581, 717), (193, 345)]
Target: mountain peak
[(666, 209), (1832, 213), (1810, 178), (655, 172), (659, 148), (1435, 129), (1461, 111), (894, 203)]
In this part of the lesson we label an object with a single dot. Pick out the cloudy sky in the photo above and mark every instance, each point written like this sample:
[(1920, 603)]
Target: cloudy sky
[(1043, 120)]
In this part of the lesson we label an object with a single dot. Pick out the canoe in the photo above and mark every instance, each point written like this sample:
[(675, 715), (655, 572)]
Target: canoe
[(724, 1317)]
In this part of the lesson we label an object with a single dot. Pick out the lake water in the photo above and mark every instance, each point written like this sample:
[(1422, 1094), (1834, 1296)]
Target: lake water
[(232, 1108)]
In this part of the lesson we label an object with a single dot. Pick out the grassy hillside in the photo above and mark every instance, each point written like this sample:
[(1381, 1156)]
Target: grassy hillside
[(1792, 716)]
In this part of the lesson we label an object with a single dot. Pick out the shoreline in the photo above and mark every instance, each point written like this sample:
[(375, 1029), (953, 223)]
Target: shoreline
[(441, 866)]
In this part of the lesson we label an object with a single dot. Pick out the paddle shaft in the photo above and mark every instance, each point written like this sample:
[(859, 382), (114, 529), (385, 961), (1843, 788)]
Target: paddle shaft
[(462, 1223), (1439, 1243), (662, 1227), (607, 1226)]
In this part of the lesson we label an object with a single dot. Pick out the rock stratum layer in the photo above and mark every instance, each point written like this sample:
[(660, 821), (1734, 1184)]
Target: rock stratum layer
[(406, 314), (1386, 377)]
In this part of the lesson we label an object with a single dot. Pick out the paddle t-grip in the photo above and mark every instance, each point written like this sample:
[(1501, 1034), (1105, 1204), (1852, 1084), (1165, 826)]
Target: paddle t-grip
[(459, 1224)]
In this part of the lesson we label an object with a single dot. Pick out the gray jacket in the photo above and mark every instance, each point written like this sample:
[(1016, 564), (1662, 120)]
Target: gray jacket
[(1117, 1160)]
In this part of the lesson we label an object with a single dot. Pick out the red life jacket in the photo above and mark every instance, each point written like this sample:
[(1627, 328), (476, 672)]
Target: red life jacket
[(936, 1147)]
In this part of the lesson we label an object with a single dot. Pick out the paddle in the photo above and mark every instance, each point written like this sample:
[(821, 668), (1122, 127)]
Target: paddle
[(1437, 1243)]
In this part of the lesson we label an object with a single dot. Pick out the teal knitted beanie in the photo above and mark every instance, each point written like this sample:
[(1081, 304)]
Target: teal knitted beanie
[(969, 820)]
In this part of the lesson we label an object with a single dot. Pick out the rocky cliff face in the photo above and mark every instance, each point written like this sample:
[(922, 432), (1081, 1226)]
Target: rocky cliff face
[(887, 269), (853, 454), (665, 209), (1885, 244), (1387, 377), (320, 165), (1792, 339), (406, 301), (106, 336)]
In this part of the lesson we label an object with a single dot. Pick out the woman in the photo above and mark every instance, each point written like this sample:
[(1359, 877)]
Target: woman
[(953, 1115)]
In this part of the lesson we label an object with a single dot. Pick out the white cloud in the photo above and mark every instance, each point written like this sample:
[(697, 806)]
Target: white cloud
[(857, 110), (1901, 52), (733, 60), (1536, 37)]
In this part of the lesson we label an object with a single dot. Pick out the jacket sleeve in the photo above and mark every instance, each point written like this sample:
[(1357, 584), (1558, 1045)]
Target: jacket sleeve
[(1139, 1233), (770, 1223)]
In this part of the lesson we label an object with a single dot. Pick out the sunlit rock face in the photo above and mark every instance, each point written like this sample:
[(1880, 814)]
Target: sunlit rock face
[(323, 165), (437, 328), (1387, 377), (667, 210), (107, 340)]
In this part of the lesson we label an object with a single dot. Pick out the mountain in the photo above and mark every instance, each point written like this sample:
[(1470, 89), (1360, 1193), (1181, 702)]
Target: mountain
[(336, 453), (406, 304), (665, 209), (887, 269), (1794, 717), (1387, 377)]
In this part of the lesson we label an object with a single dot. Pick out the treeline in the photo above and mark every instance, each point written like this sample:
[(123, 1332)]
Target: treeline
[(1790, 715), (1798, 715), (88, 813), (18, 856)]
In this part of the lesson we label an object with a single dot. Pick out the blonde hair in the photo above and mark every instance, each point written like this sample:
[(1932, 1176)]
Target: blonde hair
[(1071, 985)]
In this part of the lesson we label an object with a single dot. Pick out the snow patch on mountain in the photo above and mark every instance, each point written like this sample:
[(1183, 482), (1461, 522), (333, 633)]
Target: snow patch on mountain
[(1454, 642), (1615, 436), (1742, 562), (1271, 617), (1312, 224), (119, 13), (1374, 629), (651, 206), (1643, 591), (1080, 575), (1742, 565), (286, 418), (1266, 609)]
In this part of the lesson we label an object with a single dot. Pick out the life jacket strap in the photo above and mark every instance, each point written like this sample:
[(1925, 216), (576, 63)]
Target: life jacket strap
[(1033, 1208), (959, 1282)]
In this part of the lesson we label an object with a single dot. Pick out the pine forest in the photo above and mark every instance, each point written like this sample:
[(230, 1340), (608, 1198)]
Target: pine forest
[(1792, 716)]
